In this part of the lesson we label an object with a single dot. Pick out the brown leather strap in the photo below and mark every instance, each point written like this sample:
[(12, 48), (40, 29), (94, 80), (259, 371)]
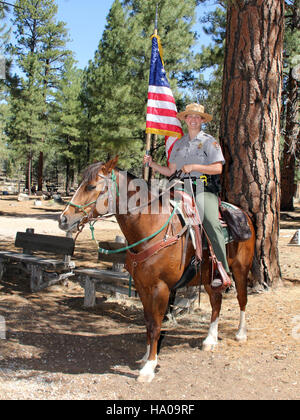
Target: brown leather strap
[(198, 240), (151, 250)]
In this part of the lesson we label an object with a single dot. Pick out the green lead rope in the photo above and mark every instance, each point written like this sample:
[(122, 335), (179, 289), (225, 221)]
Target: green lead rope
[(116, 251)]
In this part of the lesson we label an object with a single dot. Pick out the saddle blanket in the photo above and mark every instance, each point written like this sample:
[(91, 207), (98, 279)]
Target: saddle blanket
[(187, 221)]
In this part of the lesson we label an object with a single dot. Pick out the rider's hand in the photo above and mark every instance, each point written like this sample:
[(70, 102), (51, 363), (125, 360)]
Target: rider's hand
[(148, 159)]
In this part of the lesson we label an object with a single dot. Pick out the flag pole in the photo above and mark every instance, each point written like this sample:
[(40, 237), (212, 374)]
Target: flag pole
[(148, 137), (148, 151)]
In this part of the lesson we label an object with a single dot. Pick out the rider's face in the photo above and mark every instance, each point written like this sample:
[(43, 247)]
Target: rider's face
[(194, 121)]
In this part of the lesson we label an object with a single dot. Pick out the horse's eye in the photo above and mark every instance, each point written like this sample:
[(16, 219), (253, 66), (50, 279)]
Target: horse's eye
[(90, 187)]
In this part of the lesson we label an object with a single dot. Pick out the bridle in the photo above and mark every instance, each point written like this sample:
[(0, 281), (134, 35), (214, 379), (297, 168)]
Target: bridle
[(107, 181), (87, 216), (110, 182)]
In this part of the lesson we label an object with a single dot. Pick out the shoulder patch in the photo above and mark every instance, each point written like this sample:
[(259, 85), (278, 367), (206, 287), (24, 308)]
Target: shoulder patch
[(216, 145)]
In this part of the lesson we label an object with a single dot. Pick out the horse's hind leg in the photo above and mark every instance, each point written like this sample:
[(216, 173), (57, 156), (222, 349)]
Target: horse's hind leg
[(155, 305), (240, 275)]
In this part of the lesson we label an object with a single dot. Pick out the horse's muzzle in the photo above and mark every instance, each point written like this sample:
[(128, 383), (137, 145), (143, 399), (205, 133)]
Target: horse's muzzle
[(68, 224), (63, 222)]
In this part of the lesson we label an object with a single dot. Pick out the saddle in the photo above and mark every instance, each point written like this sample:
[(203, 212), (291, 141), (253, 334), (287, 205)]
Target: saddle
[(234, 217), (235, 228)]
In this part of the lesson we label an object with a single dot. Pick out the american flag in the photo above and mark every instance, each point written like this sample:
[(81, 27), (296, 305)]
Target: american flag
[(161, 107)]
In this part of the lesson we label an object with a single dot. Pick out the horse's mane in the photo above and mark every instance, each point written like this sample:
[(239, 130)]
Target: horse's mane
[(91, 172)]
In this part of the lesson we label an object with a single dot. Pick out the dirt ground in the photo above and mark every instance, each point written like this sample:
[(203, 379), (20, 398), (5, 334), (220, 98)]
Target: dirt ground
[(53, 348)]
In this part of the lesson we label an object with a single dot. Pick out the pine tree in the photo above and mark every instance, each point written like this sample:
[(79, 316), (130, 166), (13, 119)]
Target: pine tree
[(68, 120), (4, 38), (25, 127), (40, 53), (250, 123), (212, 57), (110, 86), (118, 77), (4, 29)]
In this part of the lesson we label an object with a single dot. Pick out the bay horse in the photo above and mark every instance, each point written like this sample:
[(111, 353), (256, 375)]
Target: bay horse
[(155, 275)]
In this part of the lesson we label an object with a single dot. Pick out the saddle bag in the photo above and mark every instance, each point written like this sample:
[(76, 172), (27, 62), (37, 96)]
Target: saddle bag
[(237, 223)]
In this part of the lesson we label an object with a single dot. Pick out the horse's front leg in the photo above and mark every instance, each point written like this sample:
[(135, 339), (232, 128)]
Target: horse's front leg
[(211, 340), (155, 304)]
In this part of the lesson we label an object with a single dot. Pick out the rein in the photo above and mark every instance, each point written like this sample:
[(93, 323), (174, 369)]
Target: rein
[(91, 221), (115, 251)]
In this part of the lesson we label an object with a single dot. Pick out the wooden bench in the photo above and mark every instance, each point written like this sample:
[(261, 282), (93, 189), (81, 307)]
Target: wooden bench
[(111, 280), (43, 271)]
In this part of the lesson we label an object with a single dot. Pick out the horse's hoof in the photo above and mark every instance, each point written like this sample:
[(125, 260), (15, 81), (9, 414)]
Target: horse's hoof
[(147, 378), (147, 373), (209, 345), (241, 338)]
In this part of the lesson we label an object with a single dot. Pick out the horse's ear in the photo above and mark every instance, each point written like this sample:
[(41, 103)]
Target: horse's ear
[(110, 165)]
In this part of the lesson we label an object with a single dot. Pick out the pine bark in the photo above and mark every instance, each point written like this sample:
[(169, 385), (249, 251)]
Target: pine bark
[(250, 123)]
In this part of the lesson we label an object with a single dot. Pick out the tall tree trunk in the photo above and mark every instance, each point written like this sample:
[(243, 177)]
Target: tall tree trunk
[(28, 182), (40, 171), (288, 166), (250, 123), (67, 177)]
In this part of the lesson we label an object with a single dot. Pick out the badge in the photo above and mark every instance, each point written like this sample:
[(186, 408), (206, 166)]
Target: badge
[(200, 145), (217, 146)]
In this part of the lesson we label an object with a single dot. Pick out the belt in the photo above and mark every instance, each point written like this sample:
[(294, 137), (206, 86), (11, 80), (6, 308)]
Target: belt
[(194, 179)]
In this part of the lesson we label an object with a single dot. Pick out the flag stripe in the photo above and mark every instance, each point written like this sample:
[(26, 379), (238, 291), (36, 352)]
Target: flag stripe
[(161, 111), (170, 143), (161, 97), (162, 105), (168, 127), (163, 120), (160, 89)]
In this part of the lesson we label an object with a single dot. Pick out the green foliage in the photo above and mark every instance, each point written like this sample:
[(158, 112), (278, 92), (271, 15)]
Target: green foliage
[(76, 117), (4, 28), (292, 35), (40, 53), (116, 81), (66, 113), (211, 57)]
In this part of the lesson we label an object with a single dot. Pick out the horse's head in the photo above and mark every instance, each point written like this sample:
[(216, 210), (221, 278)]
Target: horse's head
[(90, 198)]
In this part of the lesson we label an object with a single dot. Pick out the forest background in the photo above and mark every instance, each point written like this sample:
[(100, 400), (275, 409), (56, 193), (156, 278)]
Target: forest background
[(55, 118)]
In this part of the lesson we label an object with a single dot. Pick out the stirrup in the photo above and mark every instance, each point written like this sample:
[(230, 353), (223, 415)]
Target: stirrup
[(218, 284)]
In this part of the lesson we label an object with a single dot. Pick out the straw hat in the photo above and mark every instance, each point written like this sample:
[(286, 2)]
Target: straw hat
[(194, 109)]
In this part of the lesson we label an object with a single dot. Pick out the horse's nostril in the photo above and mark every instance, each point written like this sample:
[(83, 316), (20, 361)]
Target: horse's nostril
[(63, 220)]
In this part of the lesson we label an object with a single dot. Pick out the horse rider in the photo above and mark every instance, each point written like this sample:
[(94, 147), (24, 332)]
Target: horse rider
[(197, 154)]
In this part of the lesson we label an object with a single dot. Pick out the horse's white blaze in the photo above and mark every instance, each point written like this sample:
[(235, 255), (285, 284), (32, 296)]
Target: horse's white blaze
[(147, 373), (212, 338), (242, 331), (72, 199)]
